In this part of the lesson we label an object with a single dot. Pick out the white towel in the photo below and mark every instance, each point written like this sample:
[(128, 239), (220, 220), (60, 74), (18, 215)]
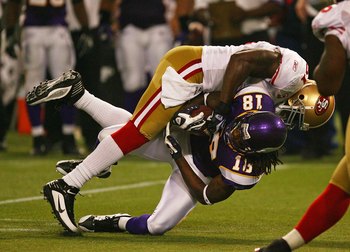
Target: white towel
[(175, 90)]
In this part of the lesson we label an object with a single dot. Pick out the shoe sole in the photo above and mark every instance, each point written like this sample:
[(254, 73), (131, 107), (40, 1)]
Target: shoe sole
[(60, 170), (54, 94), (63, 172), (56, 201), (82, 228)]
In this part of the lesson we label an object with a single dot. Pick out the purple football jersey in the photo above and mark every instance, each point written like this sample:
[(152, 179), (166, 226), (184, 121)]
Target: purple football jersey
[(212, 160), (45, 13)]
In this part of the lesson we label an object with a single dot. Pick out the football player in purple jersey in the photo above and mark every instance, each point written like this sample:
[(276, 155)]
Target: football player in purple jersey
[(203, 171), (47, 48)]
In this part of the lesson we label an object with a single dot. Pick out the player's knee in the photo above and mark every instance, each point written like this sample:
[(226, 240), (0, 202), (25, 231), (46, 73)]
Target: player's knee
[(108, 131)]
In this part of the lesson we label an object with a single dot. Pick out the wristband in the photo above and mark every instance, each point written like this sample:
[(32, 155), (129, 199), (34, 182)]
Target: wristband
[(207, 201), (205, 97)]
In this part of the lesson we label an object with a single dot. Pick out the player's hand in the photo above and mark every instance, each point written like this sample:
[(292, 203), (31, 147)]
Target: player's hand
[(185, 121), (85, 42), (217, 120), (172, 144)]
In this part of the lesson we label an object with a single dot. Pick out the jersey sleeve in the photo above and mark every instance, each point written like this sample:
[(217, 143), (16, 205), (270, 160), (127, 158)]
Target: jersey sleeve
[(290, 76), (334, 20), (235, 169)]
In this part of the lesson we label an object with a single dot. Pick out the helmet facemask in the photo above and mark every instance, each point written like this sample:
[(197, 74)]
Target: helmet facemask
[(293, 115)]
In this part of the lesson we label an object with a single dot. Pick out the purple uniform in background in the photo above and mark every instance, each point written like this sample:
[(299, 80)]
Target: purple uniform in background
[(46, 14), (47, 48)]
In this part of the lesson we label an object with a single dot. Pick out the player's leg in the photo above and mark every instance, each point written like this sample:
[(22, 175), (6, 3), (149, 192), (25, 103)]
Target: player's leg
[(160, 39), (324, 212), (330, 206), (149, 118), (35, 72), (66, 166), (61, 58), (130, 55), (176, 202)]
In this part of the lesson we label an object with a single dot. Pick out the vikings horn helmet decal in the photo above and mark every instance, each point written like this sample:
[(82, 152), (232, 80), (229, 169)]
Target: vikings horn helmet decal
[(256, 132)]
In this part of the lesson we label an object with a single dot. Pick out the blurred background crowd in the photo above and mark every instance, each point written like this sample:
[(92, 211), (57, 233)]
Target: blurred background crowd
[(116, 46)]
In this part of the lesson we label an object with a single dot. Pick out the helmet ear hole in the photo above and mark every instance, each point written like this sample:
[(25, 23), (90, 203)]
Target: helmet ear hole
[(301, 97)]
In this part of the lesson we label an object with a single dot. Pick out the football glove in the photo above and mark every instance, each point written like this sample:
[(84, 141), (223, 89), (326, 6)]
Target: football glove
[(172, 144), (85, 42), (217, 120), (185, 121)]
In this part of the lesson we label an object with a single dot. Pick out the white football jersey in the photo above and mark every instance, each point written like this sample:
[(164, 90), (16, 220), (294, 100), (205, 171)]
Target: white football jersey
[(334, 20), (287, 80)]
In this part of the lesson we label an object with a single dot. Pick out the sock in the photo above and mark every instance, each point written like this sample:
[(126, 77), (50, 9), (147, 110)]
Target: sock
[(104, 113), (326, 210), (105, 154), (122, 222), (294, 239), (35, 115), (138, 225)]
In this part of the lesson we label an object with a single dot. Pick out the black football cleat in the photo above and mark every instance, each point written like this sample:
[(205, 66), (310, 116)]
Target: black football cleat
[(279, 245), (101, 223), (68, 86), (66, 166), (61, 197)]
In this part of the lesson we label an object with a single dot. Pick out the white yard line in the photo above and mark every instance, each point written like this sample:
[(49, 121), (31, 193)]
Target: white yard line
[(92, 191), (20, 230)]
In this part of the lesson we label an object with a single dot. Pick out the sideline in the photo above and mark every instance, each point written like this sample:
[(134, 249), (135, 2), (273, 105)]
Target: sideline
[(92, 191)]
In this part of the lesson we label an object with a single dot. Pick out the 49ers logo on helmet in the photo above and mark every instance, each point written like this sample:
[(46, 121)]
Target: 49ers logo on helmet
[(322, 105)]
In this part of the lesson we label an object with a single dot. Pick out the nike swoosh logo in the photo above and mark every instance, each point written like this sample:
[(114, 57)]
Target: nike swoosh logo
[(60, 210), (71, 192)]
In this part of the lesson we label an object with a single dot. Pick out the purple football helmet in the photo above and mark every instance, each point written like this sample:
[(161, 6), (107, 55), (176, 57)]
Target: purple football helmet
[(256, 132)]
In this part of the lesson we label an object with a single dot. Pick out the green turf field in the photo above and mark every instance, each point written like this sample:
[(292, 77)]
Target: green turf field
[(246, 220)]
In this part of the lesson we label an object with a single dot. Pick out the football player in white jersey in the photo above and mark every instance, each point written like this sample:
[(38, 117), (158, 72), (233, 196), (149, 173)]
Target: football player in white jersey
[(331, 25), (183, 73)]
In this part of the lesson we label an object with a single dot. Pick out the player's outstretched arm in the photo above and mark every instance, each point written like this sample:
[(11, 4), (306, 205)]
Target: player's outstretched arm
[(214, 192)]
